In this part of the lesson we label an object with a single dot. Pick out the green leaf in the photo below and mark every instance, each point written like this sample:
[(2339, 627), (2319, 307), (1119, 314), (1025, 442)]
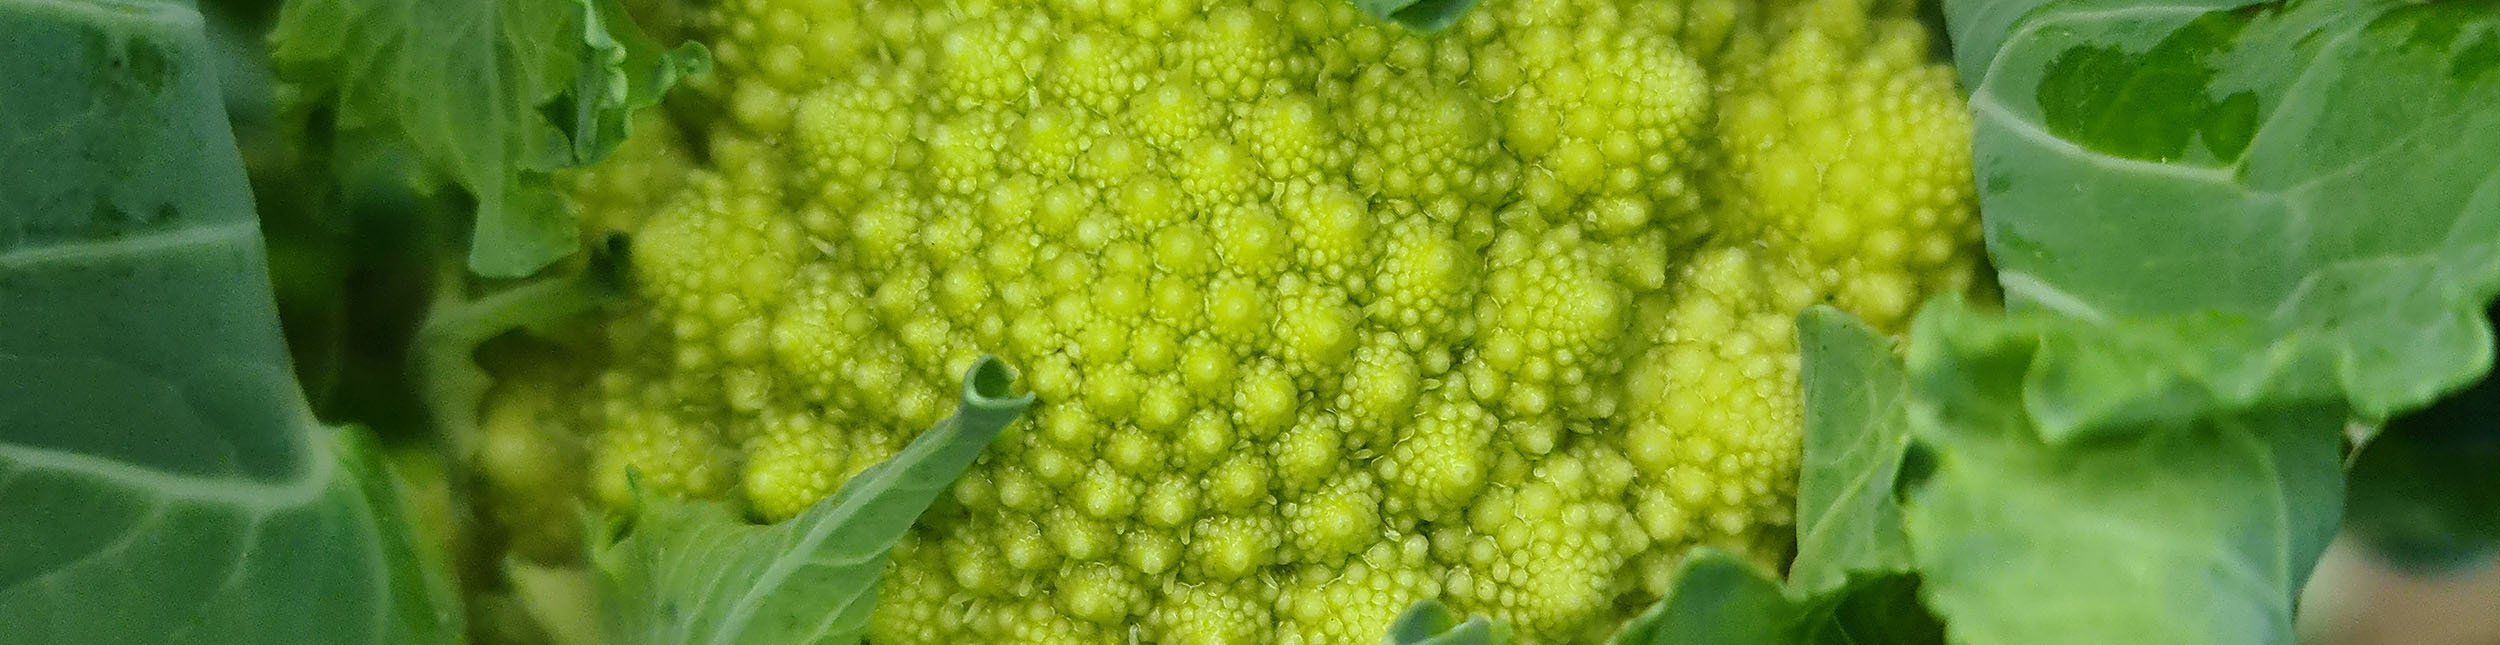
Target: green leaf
[(461, 81), (2192, 513), (2428, 499), (696, 572), (2327, 171), (1721, 598), (1419, 15), (623, 70), (2426, 493), (1431, 623), (1718, 598), (425, 597), (161, 479), (2224, 229), (1882, 608), (1850, 582), (1856, 438), (471, 84)]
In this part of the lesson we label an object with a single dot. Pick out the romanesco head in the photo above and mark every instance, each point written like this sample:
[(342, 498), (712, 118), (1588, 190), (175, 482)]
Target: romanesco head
[(1325, 317)]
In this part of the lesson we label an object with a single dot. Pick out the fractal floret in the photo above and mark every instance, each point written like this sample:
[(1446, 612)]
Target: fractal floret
[(1324, 316)]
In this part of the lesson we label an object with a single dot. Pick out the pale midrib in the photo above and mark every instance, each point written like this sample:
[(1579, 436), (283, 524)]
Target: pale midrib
[(154, 242), (172, 18), (311, 479)]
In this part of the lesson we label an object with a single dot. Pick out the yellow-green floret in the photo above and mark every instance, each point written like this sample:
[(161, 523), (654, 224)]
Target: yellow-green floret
[(1325, 317)]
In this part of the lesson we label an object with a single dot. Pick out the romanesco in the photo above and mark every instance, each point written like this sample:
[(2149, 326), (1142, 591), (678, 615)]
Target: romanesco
[(1325, 317)]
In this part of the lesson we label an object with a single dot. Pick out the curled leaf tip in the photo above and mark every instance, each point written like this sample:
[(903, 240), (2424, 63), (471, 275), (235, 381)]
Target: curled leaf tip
[(990, 383)]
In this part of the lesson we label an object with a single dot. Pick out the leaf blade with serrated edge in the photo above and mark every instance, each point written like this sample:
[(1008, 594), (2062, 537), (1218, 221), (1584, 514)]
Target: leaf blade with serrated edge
[(470, 85)]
